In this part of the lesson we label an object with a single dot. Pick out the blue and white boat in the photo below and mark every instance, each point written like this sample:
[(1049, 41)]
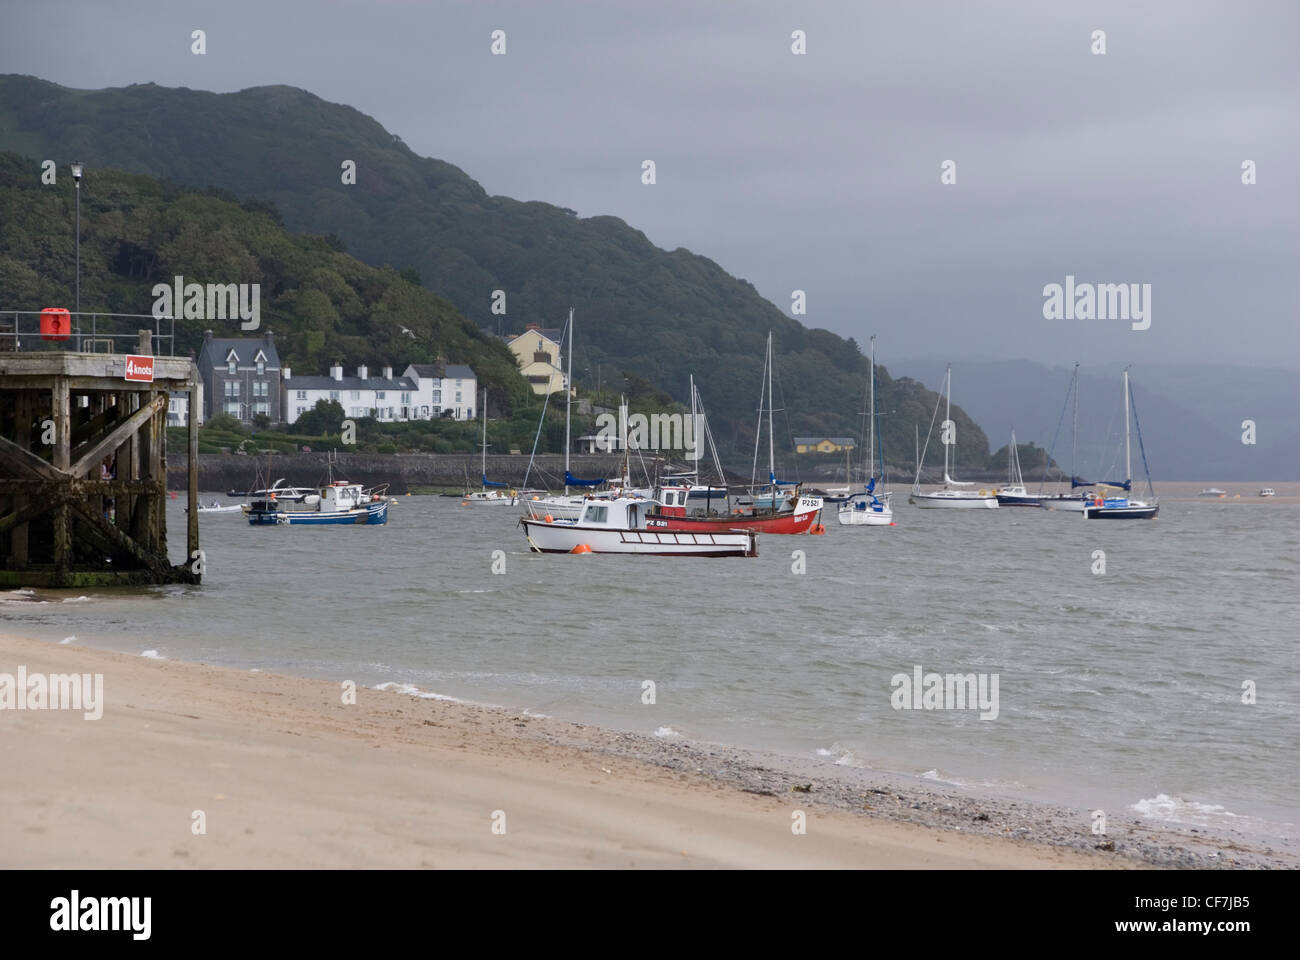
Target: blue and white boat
[(339, 503), (1111, 507)]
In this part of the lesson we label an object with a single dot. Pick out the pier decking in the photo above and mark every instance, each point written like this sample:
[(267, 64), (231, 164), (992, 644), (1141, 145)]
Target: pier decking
[(83, 469)]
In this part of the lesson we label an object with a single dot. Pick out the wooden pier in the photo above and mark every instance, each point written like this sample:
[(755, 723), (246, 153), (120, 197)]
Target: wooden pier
[(83, 469)]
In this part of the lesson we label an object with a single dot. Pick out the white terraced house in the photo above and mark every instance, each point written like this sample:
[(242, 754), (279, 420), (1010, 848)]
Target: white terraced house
[(386, 398), (443, 387)]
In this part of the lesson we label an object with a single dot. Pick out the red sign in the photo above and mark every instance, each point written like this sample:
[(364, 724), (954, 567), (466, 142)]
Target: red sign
[(139, 368)]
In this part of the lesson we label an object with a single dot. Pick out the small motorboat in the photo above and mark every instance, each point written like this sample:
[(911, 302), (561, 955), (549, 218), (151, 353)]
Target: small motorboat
[(1268, 492), (278, 491), (212, 506), (1212, 492)]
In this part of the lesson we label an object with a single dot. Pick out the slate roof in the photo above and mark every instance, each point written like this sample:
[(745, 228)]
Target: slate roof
[(351, 383)]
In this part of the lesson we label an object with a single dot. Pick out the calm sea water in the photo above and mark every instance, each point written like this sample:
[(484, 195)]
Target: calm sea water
[(1115, 690)]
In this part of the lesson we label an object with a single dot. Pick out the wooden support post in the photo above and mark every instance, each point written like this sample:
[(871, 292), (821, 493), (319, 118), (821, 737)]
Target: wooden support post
[(60, 404), (23, 437), (192, 538)]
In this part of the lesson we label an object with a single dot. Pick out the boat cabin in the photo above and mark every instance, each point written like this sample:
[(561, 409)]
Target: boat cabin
[(341, 496), (620, 513)]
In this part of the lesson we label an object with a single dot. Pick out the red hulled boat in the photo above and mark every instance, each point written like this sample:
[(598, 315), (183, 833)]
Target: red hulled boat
[(671, 515)]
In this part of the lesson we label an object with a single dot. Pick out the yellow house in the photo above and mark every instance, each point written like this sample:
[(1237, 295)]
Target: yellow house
[(537, 352), (823, 444)]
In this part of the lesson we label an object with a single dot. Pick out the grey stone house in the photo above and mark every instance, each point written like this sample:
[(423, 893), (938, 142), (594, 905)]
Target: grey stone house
[(240, 377)]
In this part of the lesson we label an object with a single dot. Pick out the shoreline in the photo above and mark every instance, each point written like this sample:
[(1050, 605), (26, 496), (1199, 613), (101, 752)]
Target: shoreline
[(286, 774)]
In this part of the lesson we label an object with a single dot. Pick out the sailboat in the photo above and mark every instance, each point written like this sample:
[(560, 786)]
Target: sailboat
[(870, 508), (491, 494), (1122, 507), (1014, 493), (1069, 502), (953, 495), (769, 496)]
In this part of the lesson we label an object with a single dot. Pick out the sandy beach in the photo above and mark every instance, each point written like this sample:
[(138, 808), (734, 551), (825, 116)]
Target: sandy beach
[(286, 774)]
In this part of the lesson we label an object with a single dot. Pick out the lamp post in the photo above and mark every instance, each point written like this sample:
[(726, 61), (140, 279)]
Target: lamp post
[(76, 179)]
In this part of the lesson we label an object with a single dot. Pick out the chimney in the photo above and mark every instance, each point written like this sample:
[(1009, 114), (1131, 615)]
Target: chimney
[(336, 372), (388, 373), (270, 338), (285, 372), (362, 372)]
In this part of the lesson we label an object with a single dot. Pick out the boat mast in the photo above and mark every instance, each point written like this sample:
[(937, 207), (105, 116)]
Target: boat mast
[(485, 439), (695, 441), (1074, 432), (568, 403), (947, 419), (771, 436), (871, 415), (1128, 464)]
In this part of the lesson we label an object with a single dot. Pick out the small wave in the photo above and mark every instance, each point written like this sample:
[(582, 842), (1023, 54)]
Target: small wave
[(666, 732), (76, 600), (1164, 807), (153, 655), (414, 691), (71, 639)]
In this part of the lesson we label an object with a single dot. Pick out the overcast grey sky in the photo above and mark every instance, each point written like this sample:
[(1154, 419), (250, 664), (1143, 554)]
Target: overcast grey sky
[(821, 172)]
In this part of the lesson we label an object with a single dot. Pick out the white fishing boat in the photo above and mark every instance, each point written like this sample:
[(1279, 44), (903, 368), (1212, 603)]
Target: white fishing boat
[(627, 525), (955, 494), (491, 494), (870, 508), (1116, 507), (1268, 492)]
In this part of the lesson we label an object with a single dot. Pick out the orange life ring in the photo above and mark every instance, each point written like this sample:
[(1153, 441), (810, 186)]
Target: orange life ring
[(1098, 502)]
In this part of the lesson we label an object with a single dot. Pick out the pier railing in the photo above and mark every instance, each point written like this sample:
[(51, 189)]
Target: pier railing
[(91, 332)]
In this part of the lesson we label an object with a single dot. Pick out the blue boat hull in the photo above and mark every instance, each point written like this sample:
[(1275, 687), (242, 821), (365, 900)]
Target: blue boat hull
[(370, 515)]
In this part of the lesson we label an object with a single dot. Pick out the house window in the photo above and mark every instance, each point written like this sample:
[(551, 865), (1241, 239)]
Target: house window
[(469, 413), (458, 396), (262, 407), (302, 395), (301, 411), (356, 394), (406, 398), (230, 367), (232, 407), (424, 410), (379, 395), (261, 367), (259, 388), (334, 394), (232, 388), (437, 396)]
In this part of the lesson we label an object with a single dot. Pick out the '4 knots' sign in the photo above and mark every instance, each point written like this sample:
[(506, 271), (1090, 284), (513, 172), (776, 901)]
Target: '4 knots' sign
[(139, 368)]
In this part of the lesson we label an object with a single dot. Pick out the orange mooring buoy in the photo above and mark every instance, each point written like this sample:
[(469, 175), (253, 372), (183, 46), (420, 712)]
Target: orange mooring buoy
[(548, 518), (581, 548), (817, 529)]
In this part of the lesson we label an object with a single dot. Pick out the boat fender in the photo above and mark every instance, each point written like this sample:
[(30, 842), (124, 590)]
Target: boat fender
[(581, 548), (549, 519), (817, 529), (1098, 502)]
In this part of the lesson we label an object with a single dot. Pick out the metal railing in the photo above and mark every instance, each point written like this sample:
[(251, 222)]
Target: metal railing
[(20, 331)]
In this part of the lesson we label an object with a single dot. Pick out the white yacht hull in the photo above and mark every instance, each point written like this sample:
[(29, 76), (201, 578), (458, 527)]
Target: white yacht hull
[(562, 537), (954, 500)]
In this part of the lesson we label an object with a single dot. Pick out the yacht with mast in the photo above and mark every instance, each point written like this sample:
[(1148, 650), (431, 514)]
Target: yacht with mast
[(1014, 494), (769, 496), (954, 494), (870, 508), (1116, 507), (491, 494)]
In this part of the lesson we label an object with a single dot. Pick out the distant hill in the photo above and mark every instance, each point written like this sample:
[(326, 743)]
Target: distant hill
[(323, 305), (1191, 415), (661, 315)]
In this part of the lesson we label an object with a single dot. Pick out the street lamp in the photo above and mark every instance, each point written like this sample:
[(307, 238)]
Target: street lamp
[(76, 178)]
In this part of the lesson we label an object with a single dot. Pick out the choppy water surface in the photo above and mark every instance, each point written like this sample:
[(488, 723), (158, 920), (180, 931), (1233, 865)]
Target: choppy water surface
[(1115, 690)]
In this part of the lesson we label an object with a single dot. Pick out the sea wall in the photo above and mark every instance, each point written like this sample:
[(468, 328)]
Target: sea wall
[(222, 472)]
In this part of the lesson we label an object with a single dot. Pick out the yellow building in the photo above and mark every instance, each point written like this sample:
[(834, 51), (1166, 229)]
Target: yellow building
[(537, 351), (823, 444)]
